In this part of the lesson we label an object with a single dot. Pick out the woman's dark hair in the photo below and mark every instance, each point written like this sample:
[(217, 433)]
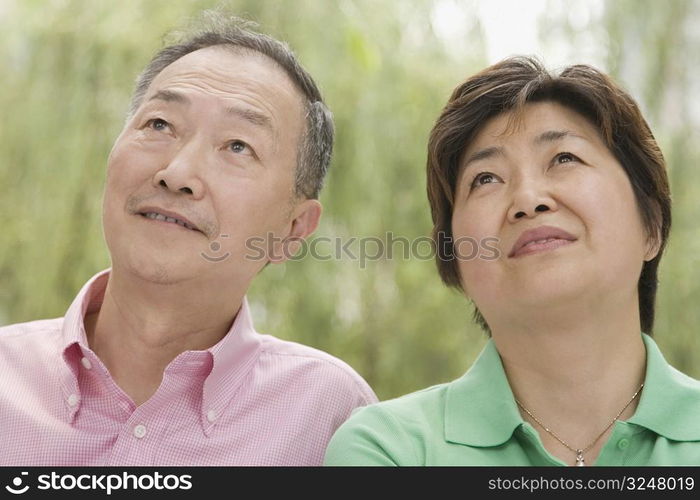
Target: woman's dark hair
[(509, 86)]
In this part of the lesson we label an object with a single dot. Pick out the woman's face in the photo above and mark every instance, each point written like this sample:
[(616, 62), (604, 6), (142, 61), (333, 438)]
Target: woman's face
[(554, 174)]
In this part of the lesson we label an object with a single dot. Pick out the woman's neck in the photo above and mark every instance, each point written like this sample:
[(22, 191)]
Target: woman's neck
[(576, 375)]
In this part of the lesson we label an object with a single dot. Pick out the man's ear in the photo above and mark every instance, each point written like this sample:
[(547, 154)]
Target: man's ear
[(305, 218)]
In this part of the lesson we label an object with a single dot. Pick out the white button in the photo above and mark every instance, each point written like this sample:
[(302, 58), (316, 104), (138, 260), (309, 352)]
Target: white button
[(140, 431), (86, 363), (72, 400), (211, 415)]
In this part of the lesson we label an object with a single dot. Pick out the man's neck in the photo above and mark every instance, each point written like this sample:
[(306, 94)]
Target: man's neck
[(142, 326)]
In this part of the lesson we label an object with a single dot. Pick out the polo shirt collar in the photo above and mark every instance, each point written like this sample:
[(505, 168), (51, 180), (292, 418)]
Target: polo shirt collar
[(479, 407), (669, 404), (225, 364)]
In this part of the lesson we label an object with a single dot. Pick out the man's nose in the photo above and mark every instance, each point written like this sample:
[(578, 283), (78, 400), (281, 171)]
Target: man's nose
[(183, 172), (531, 196)]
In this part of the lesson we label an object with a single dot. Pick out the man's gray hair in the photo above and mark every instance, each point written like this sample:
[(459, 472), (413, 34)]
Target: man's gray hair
[(316, 146)]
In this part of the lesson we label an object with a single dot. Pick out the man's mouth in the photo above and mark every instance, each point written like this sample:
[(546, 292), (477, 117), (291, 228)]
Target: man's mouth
[(165, 218)]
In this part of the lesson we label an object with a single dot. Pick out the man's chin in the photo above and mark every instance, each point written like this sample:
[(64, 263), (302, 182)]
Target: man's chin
[(160, 272)]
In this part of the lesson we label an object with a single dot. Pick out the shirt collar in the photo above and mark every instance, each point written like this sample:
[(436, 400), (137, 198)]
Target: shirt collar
[(480, 409), (233, 357), (227, 362), (670, 402), (88, 300), (74, 340)]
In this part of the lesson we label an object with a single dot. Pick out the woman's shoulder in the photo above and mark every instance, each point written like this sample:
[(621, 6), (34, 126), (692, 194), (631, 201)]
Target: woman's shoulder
[(392, 432), (685, 381), (416, 408)]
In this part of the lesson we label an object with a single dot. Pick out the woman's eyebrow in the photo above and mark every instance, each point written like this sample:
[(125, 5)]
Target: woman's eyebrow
[(555, 135), (544, 138), (483, 154)]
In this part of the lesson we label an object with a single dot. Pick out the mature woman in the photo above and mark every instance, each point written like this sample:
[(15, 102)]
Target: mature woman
[(564, 171)]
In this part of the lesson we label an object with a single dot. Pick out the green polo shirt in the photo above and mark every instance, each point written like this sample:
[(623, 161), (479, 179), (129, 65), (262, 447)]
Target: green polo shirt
[(475, 421)]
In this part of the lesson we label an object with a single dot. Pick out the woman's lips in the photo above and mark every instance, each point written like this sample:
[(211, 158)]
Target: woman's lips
[(536, 247), (539, 237)]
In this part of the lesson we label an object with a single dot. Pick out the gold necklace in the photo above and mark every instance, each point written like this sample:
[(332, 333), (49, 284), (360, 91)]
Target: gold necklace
[(580, 451)]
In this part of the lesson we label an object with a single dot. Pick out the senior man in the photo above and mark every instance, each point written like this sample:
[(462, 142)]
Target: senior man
[(156, 361)]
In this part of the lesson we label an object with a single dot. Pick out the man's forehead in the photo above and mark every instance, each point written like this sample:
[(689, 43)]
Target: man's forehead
[(225, 65), (249, 85)]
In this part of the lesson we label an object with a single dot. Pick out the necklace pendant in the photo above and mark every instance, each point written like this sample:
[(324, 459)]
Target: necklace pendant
[(580, 462)]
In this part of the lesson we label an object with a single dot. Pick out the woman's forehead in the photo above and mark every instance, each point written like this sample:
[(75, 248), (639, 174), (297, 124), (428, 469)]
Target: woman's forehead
[(531, 122)]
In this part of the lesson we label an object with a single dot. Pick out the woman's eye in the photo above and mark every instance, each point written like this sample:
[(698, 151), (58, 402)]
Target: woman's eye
[(483, 178), (158, 124), (238, 147), (565, 158)]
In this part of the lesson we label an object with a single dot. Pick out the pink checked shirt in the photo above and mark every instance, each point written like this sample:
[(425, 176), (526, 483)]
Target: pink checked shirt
[(251, 399)]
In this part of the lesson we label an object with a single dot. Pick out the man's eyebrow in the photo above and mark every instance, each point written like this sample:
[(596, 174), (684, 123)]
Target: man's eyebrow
[(484, 154), (250, 115), (253, 117), (170, 96)]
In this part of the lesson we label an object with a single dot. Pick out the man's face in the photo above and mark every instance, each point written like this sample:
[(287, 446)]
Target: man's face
[(555, 159), (214, 142)]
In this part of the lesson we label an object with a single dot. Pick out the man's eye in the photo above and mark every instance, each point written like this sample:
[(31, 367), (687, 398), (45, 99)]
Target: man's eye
[(238, 147), (157, 124), (483, 178)]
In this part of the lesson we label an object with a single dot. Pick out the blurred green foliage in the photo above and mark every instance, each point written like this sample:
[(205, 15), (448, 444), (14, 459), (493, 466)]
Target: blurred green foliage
[(69, 67)]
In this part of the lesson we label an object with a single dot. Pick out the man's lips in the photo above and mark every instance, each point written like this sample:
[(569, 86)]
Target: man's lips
[(540, 238), (159, 214)]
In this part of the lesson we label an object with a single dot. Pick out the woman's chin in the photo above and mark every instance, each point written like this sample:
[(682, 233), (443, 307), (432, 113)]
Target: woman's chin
[(542, 294)]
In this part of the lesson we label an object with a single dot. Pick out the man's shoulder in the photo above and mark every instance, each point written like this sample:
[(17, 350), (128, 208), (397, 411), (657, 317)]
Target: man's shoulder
[(312, 363), (31, 328), (37, 340)]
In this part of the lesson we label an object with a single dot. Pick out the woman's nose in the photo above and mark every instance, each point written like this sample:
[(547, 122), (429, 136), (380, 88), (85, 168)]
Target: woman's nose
[(531, 197)]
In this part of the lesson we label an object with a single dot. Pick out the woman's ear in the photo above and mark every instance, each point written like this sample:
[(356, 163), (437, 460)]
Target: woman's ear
[(654, 239), (653, 247)]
